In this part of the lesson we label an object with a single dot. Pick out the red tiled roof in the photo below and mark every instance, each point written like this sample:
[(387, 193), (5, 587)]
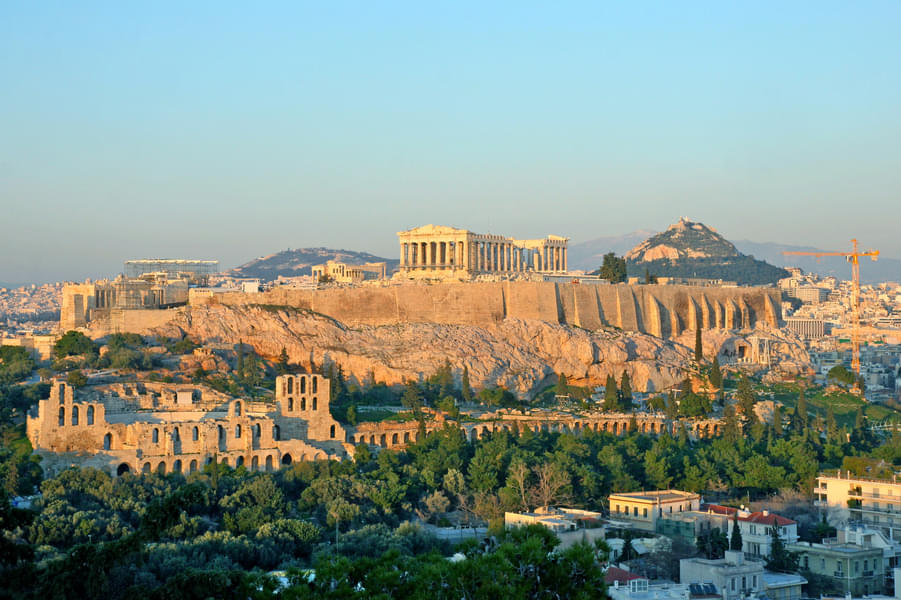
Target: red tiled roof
[(754, 517), (770, 519), (621, 575)]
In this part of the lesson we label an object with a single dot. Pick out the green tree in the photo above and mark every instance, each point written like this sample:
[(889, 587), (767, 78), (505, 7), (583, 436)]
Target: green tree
[(239, 366), (562, 388), (613, 268), (781, 559), (716, 375), (465, 388), (611, 395), (841, 375), (282, 364), (801, 410), (699, 347), (746, 399), (777, 420), (73, 343), (77, 379), (625, 391), (735, 542)]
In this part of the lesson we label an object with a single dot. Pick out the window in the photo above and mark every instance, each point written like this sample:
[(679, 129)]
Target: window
[(290, 404), (315, 383), (90, 415), (866, 565), (754, 582), (238, 409), (617, 509), (62, 416), (237, 431), (107, 441), (838, 566), (195, 434), (733, 584), (303, 404), (644, 513), (156, 436), (332, 431), (314, 403), (856, 566), (74, 415), (634, 511)]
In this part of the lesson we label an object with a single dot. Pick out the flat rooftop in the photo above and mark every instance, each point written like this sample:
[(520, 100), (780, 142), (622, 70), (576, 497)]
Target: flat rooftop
[(662, 496)]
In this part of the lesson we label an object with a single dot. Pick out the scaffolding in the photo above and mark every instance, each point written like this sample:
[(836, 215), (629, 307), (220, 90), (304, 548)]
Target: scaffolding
[(197, 271)]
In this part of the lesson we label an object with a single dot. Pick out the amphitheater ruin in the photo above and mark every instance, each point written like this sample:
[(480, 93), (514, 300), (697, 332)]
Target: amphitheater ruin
[(155, 427)]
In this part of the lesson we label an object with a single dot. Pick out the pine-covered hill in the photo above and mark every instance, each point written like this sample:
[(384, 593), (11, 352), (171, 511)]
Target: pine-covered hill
[(693, 250), (299, 261)]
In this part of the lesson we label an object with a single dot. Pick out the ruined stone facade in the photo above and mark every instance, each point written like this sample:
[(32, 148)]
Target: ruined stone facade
[(84, 303), (438, 252), (144, 427), (345, 273)]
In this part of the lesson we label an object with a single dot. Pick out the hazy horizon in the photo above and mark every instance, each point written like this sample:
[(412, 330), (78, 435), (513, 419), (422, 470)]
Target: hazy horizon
[(211, 130)]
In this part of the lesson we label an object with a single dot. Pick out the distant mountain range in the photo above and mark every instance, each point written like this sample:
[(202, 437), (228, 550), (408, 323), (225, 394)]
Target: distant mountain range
[(296, 262)]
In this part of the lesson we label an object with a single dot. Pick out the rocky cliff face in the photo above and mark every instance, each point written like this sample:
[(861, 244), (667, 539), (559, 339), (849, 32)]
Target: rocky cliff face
[(522, 355)]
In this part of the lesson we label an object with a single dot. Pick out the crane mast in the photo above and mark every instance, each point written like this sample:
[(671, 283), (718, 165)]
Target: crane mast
[(852, 257)]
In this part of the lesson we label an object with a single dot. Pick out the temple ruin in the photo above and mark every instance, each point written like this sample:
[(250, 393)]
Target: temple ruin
[(439, 252)]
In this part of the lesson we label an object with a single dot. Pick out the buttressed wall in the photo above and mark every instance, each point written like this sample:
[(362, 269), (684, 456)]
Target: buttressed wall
[(661, 310)]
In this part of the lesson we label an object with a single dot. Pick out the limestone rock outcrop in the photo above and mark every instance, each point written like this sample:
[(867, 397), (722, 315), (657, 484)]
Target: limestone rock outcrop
[(522, 355)]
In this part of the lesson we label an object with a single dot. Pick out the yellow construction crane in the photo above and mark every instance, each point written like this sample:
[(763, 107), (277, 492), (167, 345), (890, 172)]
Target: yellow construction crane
[(852, 257)]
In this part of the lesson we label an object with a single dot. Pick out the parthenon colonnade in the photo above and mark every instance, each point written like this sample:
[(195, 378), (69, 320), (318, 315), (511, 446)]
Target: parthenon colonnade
[(434, 251)]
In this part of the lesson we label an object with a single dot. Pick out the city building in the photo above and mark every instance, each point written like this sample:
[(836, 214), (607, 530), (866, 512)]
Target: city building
[(735, 576), (849, 499), (571, 525), (344, 273), (847, 568), (643, 509), (783, 586), (439, 252), (632, 587), (755, 527), (144, 427)]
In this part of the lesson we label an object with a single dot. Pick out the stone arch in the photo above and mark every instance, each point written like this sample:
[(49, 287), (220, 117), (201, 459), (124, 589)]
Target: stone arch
[(195, 434), (161, 468), (290, 404), (122, 469), (239, 462), (315, 403), (255, 463), (237, 408), (315, 384), (90, 415), (406, 437), (176, 466), (62, 416), (238, 431), (290, 385), (393, 439), (155, 435), (269, 463), (107, 441), (192, 466), (223, 443), (257, 431), (303, 404), (286, 459), (383, 441), (225, 461), (276, 433), (303, 385), (146, 468), (74, 420), (332, 432)]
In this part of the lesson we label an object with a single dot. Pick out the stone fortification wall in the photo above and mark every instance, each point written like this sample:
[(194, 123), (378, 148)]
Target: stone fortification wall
[(661, 310)]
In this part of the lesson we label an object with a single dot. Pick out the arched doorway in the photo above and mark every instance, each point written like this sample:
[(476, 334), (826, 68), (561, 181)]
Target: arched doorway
[(123, 469), (286, 459)]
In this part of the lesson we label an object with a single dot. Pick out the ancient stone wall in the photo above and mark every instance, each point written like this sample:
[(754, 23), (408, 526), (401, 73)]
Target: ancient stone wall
[(661, 310)]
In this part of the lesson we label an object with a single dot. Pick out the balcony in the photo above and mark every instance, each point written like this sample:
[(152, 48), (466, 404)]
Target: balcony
[(868, 574), (838, 574)]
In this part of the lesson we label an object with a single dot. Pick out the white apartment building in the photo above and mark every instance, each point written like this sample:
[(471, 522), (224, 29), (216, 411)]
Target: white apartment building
[(755, 527), (849, 499)]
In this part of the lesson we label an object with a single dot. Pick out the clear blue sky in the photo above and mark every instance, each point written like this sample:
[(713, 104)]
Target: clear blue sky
[(232, 130)]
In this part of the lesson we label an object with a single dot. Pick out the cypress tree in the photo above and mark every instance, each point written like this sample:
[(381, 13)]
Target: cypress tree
[(625, 388), (777, 420), (831, 425), (466, 391), (735, 542), (716, 375), (801, 410), (699, 348), (240, 364), (611, 399)]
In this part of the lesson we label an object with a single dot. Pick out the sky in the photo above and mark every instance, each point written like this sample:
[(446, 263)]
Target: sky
[(231, 130)]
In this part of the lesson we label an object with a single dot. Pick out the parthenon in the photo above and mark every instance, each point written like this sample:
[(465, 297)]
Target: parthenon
[(435, 251)]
